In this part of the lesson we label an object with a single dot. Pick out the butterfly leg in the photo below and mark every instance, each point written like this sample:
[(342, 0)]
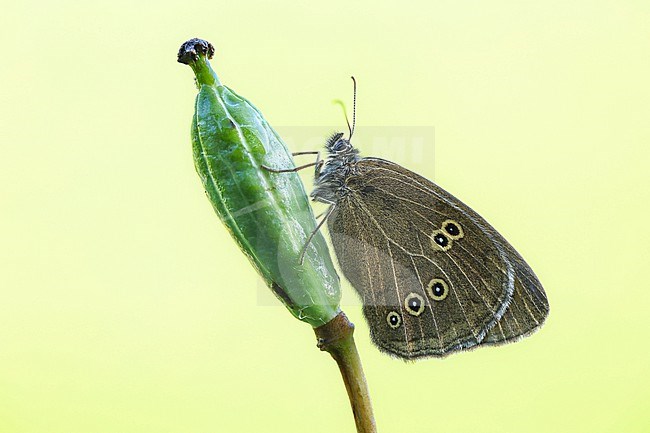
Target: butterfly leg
[(311, 236), (288, 170), (326, 201), (318, 164)]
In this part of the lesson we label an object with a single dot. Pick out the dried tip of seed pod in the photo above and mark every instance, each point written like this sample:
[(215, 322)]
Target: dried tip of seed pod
[(191, 50)]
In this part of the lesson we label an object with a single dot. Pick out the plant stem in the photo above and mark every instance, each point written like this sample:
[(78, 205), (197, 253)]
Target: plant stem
[(336, 338)]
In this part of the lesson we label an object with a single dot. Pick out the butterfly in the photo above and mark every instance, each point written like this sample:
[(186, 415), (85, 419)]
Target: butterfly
[(434, 277)]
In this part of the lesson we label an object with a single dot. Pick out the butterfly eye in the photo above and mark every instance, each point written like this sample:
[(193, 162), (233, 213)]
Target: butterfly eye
[(437, 289), (414, 304), (393, 319), (340, 146), (453, 229)]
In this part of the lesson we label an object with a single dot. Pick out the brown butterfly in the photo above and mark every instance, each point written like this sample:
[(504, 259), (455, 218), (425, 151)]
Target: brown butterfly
[(433, 275)]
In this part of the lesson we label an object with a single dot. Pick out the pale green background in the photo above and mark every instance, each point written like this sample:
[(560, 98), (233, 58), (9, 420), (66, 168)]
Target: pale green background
[(125, 307)]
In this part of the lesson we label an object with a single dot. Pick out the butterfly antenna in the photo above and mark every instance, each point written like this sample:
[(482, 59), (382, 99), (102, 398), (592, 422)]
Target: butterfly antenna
[(354, 108)]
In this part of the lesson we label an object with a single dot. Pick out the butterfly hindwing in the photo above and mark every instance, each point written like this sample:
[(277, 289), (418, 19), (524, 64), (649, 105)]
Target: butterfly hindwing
[(527, 310), (434, 277)]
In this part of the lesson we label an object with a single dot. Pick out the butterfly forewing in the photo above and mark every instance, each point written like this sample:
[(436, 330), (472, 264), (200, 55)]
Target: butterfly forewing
[(433, 275)]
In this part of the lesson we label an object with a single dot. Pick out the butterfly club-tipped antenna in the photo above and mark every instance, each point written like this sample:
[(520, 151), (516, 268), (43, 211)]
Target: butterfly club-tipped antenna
[(354, 108)]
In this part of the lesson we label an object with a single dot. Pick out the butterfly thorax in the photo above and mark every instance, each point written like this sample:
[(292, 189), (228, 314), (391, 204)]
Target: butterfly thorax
[(331, 179)]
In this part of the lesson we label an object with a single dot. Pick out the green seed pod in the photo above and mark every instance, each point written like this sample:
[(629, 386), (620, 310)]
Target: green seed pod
[(269, 215)]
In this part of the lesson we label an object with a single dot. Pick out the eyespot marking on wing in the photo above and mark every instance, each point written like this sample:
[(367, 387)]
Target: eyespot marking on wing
[(453, 229), (437, 289), (414, 304), (394, 320), (440, 241)]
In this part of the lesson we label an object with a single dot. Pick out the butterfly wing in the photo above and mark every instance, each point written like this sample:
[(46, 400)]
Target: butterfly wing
[(527, 310), (433, 275)]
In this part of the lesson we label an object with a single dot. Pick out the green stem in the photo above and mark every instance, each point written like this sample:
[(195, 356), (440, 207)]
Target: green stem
[(336, 337)]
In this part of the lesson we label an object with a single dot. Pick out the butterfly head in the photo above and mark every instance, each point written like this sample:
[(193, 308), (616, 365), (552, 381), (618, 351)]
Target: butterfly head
[(338, 145)]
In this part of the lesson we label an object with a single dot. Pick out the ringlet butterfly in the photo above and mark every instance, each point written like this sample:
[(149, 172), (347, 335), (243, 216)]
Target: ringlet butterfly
[(434, 276)]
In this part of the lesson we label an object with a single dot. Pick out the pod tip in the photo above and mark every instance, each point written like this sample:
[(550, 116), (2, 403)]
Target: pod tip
[(192, 49)]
